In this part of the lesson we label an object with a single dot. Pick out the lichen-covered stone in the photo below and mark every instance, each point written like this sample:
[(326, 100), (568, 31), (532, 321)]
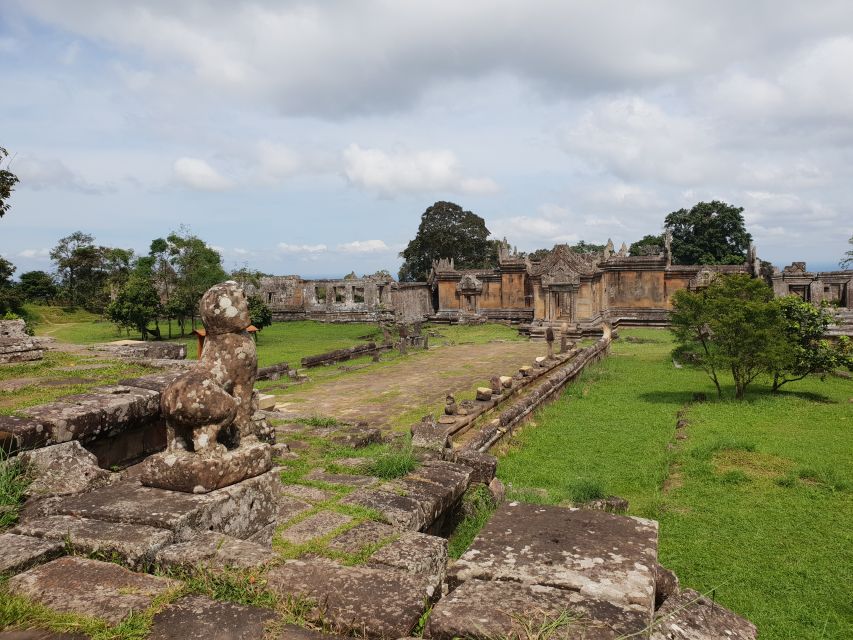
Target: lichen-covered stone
[(20, 552), (483, 465), (187, 471), (134, 544), (485, 609), (357, 437), (599, 555), (484, 393), (200, 618), (401, 512), (154, 381), (102, 411), (376, 602), (416, 553), (63, 469), (16, 345), (311, 494), (691, 616), (213, 401), (214, 551), (240, 510), (89, 587), (17, 434)]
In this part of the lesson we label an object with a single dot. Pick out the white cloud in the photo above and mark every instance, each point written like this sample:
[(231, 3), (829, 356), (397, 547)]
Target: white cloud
[(364, 246), (277, 161), (34, 253), (50, 173), (198, 174), (389, 174), (301, 248)]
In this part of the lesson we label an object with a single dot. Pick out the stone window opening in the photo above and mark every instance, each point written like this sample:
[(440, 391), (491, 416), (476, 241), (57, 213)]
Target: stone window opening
[(320, 294), (340, 294), (358, 294), (269, 296)]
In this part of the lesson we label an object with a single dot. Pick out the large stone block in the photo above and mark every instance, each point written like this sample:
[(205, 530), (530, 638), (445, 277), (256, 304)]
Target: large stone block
[(599, 555), (17, 434), (368, 533), (401, 512), (154, 381), (416, 553), (90, 588), (103, 411), (240, 510), (63, 469), (194, 473), (315, 526), (200, 618), (378, 603), (133, 544), (482, 609), (691, 616), (21, 552), (214, 551)]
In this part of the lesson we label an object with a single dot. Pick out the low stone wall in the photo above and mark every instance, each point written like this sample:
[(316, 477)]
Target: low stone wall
[(341, 355), (155, 350), (16, 345)]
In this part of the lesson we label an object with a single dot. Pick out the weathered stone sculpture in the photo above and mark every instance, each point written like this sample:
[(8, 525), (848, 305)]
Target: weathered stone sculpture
[(208, 410)]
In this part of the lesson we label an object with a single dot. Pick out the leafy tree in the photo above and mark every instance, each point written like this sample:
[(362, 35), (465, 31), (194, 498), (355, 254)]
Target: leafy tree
[(847, 260), (8, 180), (260, 313), (539, 254), (734, 324), (446, 231), (10, 299), (806, 351), (38, 286), (587, 247), (197, 267), (709, 233), (163, 276), (648, 245), (247, 278), (116, 264), (137, 303)]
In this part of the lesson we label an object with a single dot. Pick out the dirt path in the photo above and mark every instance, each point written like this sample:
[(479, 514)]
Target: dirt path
[(400, 393)]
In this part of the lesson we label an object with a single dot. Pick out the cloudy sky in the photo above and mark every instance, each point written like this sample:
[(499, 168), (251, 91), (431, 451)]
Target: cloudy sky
[(308, 138)]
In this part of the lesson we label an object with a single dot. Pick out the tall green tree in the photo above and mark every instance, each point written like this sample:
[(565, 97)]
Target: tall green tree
[(446, 231), (197, 267), (733, 325), (77, 263), (647, 245), (709, 233), (11, 301), (8, 180), (38, 286), (137, 303), (806, 350)]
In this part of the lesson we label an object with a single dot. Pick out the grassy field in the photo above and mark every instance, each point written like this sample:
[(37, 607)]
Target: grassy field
[(755, 503)]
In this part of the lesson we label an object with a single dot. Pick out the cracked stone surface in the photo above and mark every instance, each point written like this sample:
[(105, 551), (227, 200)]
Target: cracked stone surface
[(691, 616), (484, 609), (200, 618), (21, 552), (379, 603), (416, 553), (216, 551), (600, 555), (134, 544), (63, 469), (401, 512), (89, 587), (314, 526)]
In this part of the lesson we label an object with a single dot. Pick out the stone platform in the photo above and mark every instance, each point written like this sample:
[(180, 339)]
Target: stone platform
[(192, 473)]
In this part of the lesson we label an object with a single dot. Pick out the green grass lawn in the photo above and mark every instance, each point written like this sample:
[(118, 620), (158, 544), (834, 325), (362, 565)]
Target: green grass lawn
[(755, 504)]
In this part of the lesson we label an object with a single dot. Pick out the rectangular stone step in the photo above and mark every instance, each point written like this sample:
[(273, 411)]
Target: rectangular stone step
[(134, 544), (378, 603), (200, 618), (20, 552), (89, 588), (212, 550), (602, 556)]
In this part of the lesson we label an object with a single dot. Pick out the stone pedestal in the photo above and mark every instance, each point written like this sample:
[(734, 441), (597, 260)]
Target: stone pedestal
[(192, 473)]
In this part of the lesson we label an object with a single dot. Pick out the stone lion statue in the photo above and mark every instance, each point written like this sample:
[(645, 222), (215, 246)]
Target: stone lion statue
[(208, 408)]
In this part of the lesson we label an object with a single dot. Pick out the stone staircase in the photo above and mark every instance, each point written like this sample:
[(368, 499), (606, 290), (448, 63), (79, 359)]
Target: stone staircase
[(843, 324)]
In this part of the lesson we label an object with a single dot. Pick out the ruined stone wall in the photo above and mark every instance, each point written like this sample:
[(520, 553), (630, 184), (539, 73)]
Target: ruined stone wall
[(832, 287), (412, 302)]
